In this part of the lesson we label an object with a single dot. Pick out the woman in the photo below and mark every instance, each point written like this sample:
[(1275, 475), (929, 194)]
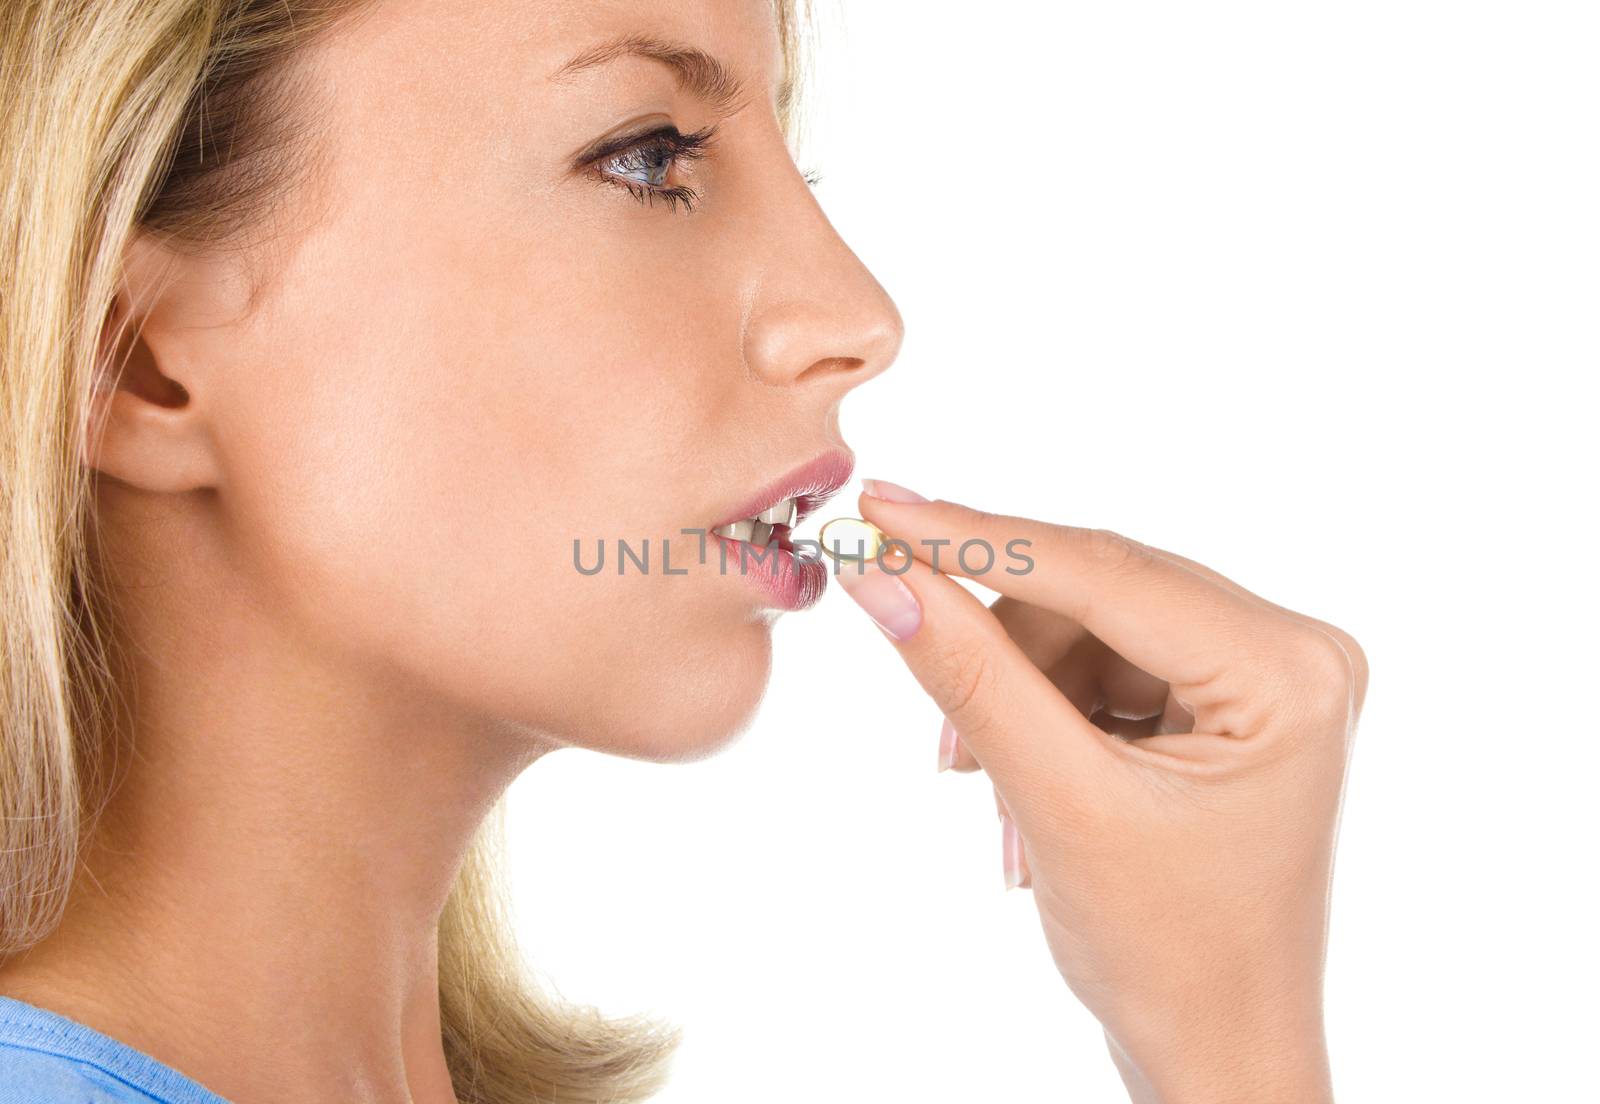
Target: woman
[(332, 332)]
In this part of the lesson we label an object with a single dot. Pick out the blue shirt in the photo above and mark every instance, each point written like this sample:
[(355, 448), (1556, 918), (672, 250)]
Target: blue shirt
[(46, 1058)]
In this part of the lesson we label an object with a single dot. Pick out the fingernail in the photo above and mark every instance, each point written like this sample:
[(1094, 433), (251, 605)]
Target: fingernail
[(947, 745), (1011, 851), (890, 492), (885, 597)]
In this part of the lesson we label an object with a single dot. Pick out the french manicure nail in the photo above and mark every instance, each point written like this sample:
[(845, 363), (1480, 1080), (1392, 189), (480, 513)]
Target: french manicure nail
[(890, 492), (947, 745), (1011, 851), (885, 598)]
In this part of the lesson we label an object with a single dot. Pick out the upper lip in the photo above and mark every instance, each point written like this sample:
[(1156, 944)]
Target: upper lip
[(810, 485)]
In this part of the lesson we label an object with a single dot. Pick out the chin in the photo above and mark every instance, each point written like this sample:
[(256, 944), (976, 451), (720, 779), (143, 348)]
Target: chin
[(693, 706)]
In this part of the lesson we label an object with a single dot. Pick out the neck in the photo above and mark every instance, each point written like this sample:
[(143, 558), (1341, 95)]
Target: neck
[(259, 905)]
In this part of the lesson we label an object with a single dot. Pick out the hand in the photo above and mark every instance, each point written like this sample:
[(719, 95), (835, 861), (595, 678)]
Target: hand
[(1171, 751)]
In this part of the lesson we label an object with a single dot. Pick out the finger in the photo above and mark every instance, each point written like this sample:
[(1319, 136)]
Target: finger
[(1094, 678), (1175, 719), (953, 754), (1090, 675), (1125, 728), (1045, 636), (1070, 658), (1029, 739), (1347, 643), (1013, 861), (1174, 623), (1063, 649), (1117, 697), (1100, 683)]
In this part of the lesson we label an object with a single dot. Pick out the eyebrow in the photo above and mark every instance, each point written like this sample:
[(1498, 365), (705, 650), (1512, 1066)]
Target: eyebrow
[(698, 72)]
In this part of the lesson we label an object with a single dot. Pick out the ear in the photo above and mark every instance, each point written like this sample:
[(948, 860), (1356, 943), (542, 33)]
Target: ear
[(147, 424)]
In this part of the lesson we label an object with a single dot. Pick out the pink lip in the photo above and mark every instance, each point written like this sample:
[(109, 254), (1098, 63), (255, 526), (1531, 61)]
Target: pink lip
[(786, 580), (811, 484)]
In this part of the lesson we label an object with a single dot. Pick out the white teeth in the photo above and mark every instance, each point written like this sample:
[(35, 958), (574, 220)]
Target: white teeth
[(779, 513), (758, 530), (738, 530)]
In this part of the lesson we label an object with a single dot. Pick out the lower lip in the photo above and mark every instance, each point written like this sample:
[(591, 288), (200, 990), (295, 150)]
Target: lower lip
[(786, 580)]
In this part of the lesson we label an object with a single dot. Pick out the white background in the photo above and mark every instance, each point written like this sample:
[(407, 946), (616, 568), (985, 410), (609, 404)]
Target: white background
[(1307, 292)]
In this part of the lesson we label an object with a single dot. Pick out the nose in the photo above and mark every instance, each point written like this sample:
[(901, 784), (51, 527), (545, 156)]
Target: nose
[(819, 317)]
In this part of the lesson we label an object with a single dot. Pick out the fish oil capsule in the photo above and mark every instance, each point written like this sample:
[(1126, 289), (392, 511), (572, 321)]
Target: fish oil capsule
[(850, 540)]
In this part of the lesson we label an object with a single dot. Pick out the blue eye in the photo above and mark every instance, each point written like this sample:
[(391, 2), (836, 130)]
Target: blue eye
[(643, 164), (652, 160)]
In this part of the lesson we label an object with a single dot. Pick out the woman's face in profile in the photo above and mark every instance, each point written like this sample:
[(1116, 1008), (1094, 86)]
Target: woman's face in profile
[(556, 279)]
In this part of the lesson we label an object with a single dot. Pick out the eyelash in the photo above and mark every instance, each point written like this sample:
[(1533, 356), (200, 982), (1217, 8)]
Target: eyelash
[(669, 141), (679, 146)]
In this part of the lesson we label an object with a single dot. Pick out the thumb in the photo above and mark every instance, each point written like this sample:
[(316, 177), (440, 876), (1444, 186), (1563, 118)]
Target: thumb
[(1037, 749)]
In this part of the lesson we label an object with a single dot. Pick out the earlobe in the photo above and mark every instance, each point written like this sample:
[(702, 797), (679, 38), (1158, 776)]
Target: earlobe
[(145, 427), (148, 445)]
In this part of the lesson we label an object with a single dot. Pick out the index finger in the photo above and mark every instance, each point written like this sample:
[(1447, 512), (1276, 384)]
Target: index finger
[(1173, 622)]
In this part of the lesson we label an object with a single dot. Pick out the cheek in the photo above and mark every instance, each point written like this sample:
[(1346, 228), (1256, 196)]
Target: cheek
[(410, 497)]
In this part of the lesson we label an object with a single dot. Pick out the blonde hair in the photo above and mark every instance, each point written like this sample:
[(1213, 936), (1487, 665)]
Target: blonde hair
[(122, 116)]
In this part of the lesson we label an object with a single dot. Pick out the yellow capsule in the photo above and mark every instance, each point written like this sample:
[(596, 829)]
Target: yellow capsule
[(851, 539)]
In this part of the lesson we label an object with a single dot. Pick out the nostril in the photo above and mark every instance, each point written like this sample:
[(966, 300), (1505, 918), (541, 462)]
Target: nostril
[(830, 365)]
